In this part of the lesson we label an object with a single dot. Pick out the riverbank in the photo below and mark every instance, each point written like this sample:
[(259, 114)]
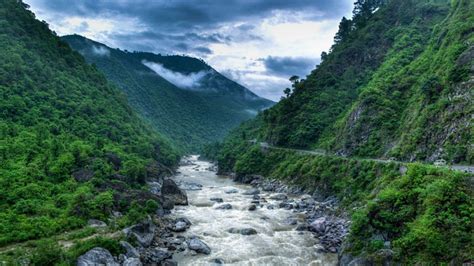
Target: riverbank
[(401, 213)]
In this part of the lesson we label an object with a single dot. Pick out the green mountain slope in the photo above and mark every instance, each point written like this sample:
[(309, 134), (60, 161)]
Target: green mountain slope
[(190, 116), (396, 83), (71, 148)]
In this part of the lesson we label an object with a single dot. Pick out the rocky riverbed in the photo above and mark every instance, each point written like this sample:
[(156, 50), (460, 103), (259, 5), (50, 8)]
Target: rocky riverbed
[(208, 219)]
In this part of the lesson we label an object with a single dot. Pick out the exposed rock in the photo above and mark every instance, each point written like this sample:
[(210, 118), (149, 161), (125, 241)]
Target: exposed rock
[(252, 191), (96, 223), (218, 261), (219, 200), (169, 263), (143, 232), (83, 175), (252, 207), (231, 190), (279, 197), (155, 187), (199, 246), (131, 252), (97, 256), (132, 262), (180, 225), (156, 255), (225, 206), (242, 231), (318, 225), (189, 185), (171, 192)]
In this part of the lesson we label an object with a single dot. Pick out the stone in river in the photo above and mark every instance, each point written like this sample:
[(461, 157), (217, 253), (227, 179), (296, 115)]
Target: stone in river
[(231, 190), (226, 206), (219, 200), (252, 207), (278, 197), (252, 191), (199, 246), (243, 231)]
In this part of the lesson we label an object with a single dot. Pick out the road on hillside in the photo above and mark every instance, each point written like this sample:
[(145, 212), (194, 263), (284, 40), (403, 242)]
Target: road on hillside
[(461, 168)]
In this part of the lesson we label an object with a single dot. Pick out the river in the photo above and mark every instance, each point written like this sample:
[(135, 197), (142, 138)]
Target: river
[(276, 241)]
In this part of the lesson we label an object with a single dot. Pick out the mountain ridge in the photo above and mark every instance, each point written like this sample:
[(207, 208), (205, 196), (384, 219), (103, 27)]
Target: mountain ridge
[(189, 116)]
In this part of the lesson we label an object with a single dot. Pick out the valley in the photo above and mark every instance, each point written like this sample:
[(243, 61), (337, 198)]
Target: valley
[(366, 158)]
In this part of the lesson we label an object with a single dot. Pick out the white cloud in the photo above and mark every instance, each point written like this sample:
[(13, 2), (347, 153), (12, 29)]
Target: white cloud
[(183, 81), (100, 50)]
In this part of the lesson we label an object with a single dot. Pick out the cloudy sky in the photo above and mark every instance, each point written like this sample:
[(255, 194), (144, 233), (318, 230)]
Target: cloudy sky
[(258, 43)]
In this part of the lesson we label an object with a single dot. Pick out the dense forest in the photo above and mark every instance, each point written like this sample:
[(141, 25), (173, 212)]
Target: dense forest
[(189, 117), (396, 84), (71, 148)]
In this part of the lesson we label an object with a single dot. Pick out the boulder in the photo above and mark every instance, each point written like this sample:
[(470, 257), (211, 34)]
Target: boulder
[(132, 262), (219, 200), (190, 185), (199, 246), (243, 231), (252, 191), (96, 223), (97, 256), (131, 252), (179, 226), (318, 225), (252, 207), (279, 197), (231, 190), (143, 232), (156, 255), (169, 262), (225, 206), (170, 191), (217, 261)]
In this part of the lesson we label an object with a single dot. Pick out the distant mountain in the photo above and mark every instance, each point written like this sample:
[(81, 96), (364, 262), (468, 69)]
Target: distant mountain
[(183, 97)]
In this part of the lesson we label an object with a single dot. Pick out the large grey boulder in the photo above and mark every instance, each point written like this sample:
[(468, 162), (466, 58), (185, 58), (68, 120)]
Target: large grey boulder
[(144, 232), (318, 225), (171, 192), (132, 262), (131, 252), (157, 255), (97, 256), (199, 246)]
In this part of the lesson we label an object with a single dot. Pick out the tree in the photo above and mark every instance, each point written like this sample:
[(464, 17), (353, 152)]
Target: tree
[(345, 28), (287, 92), (294, 80), (363, 10)]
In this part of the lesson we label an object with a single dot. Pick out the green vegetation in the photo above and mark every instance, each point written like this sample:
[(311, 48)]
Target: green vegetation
[(71, 148), (396, 83), (426, 213), (188, 117)]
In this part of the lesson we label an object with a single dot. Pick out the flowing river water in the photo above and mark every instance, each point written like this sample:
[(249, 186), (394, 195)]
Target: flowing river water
[(276, 242)]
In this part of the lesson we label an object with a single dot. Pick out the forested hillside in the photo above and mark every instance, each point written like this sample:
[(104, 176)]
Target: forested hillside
[(71, 148), (396, 83), (191, 116)]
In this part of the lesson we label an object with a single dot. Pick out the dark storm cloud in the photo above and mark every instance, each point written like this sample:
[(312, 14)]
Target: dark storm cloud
[(288, 66), (186, 13), (183, 21)]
